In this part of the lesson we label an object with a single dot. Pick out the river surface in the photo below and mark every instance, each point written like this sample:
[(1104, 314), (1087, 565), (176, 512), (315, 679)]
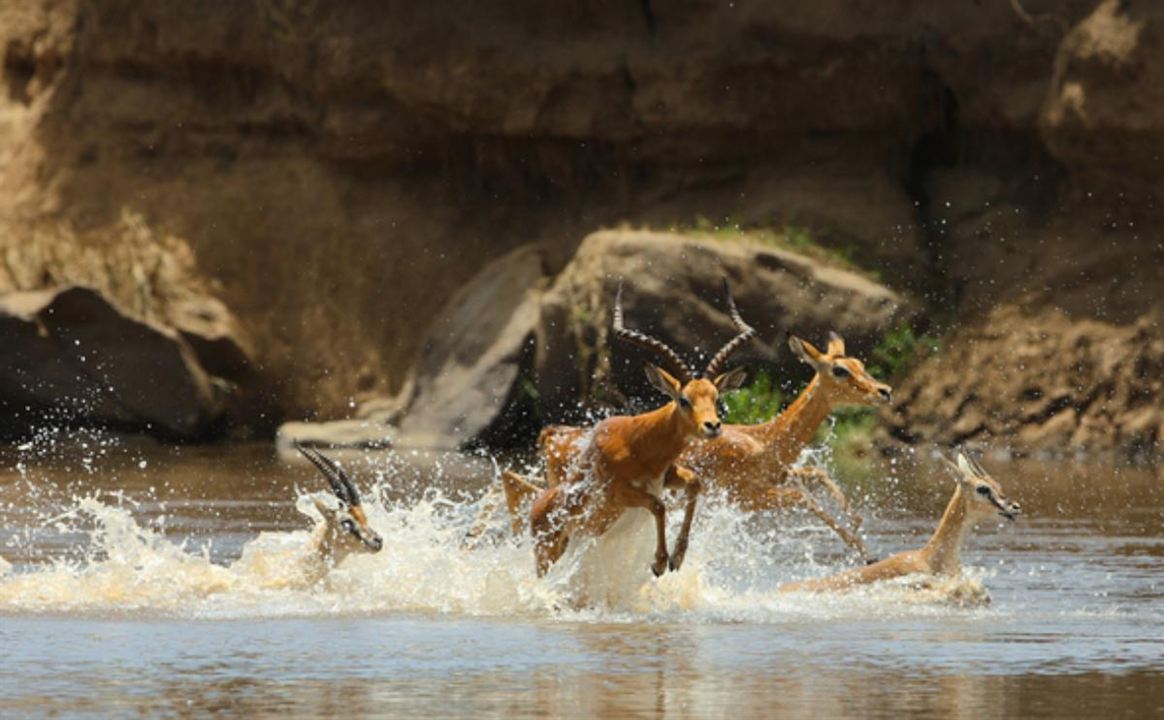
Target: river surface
[(143, 580)]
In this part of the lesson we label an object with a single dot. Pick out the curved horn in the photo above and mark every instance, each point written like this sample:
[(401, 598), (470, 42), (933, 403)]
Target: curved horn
[(950, 464), (978, 469), (340, 483), (746, 333), (646, 341)]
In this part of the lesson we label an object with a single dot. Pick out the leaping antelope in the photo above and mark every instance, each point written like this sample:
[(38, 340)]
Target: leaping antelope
[(977, 497), (753, 463), (345, 528), (627, 460)]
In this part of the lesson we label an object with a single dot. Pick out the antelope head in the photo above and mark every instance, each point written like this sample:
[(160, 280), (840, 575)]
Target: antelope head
[(346, 526), (844, 378), (982, 494), (695, 394)]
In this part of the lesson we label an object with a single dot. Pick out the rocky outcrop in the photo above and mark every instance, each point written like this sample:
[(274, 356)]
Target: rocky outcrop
[(513, 350), (470, 369), (151, 317), (1040, 380), (362, 434), (1104, 112), (674, 292), (341, 169), (70, 355)]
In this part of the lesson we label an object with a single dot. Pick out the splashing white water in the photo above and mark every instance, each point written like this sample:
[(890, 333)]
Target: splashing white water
[(732, 571)]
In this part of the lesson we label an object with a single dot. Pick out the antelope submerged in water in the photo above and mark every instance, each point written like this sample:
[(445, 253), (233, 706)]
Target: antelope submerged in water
[(345, 528), (977, 497)]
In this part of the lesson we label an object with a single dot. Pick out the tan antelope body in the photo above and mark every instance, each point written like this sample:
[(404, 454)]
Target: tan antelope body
[(752, 463), (977, 497), (627, 460)]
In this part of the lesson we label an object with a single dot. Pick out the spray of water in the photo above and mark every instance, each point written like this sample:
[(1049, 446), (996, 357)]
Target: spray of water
[(735, 564)]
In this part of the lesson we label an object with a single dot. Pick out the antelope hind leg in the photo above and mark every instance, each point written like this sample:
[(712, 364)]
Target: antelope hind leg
[(489, 505), (546, 523), (517, 491)]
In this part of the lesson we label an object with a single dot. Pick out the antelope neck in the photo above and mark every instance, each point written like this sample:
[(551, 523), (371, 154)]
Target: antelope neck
[(657, 437), (790, 431), (944, 549)]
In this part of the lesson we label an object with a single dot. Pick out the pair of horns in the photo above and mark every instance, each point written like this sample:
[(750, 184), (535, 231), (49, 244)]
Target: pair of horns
[(340, 483), (966, 466), (684, 373)]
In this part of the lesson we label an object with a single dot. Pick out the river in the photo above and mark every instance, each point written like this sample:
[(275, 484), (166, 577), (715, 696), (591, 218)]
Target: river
[(142, 579)]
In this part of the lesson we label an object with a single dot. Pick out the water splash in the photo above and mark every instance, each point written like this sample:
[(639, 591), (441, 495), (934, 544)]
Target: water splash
[(109, 559), (734, 566)]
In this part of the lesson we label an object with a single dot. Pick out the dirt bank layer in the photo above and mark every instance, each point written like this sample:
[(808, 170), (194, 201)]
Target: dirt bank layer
[(339, 171)]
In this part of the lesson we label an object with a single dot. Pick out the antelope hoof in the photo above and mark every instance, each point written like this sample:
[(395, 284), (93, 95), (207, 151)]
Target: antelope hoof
[(677, 558), (660, 565), (871, 561)]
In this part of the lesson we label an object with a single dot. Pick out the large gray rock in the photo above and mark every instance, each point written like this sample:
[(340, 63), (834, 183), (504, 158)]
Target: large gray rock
[(359, 434), (673, 291), (469, 368), (71, 354), (510, 354)]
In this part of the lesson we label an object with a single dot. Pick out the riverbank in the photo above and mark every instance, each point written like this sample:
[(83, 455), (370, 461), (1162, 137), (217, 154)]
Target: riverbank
[(305, 193)]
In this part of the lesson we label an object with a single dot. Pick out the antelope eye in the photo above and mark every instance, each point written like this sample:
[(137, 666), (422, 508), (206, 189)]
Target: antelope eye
[(349, 525), (840, 371), (983, 490), (684, 402)]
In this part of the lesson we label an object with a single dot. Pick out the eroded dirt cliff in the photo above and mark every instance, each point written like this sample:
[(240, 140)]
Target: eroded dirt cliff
[(339, 171)]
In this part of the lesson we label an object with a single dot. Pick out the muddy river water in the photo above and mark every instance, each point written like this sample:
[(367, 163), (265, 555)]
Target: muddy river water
[(149, 580)]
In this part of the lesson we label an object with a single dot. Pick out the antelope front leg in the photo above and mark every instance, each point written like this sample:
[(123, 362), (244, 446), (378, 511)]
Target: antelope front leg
[(850, 539), (800, 476), (633, 497), (676, 476), (805, 475)]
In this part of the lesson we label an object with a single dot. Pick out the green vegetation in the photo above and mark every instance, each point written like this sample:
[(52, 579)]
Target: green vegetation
[(793, 238), (755, 403), (849, 437), (851, 431), (899, 350)]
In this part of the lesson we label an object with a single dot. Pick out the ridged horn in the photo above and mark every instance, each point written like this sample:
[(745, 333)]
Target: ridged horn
[(340, 483), (746, 333), (646, 341)]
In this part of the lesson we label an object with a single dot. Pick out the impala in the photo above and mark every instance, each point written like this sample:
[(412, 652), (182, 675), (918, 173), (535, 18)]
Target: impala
[(345, 528), (752, 463), (977, 497), (627, 460)]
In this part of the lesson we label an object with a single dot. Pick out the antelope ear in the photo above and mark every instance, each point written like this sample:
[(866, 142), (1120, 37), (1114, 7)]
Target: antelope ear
[(662, 381), (836, 346), (322, 507), (730, 380), (805, 350)]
